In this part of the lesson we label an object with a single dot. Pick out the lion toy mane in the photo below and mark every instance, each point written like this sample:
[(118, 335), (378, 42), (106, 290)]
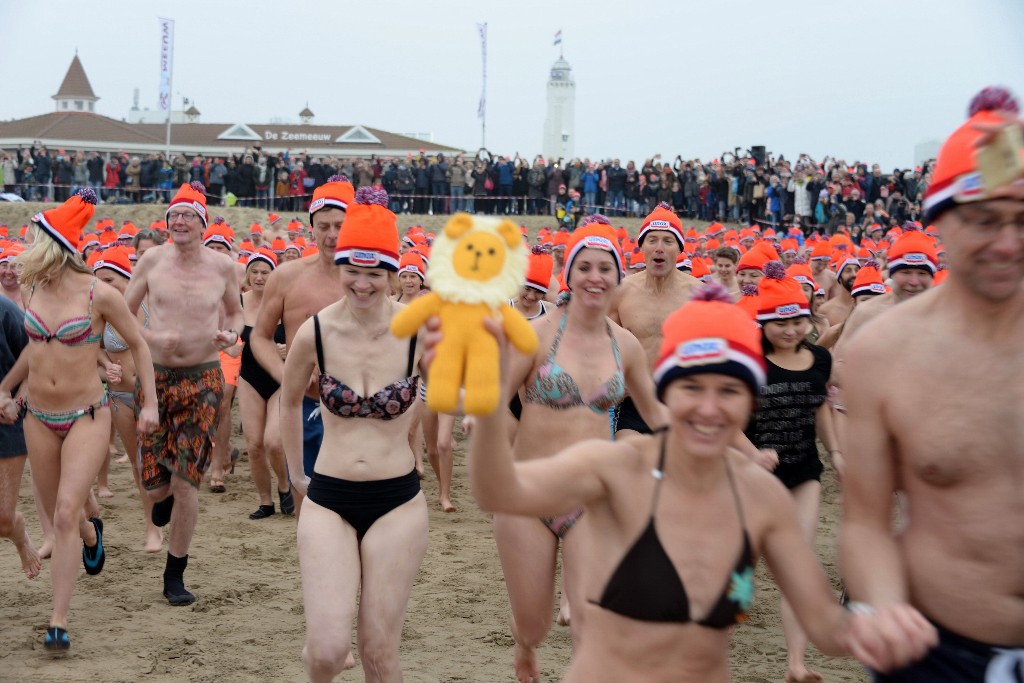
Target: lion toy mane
[(476, 265)]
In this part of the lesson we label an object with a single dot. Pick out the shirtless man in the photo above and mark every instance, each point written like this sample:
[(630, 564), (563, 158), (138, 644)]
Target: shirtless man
[(190, 289), (642, 302), (294, 292), (9, 286), (838, 307), (820, 256), (947, 430)]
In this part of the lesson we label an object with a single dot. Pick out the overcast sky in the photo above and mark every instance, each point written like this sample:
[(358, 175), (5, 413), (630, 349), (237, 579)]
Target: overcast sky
[(860, 80)]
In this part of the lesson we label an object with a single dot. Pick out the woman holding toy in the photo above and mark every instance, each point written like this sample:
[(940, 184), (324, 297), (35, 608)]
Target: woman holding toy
[(581, 369), (363, 527)]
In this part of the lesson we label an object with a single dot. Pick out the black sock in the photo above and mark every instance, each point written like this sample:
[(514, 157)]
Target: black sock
[(175, 567)]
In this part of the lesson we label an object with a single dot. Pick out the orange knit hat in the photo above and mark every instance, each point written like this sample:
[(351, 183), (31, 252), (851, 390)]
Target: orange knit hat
[(116, 259), (662, 218), (127, 231), (277, 245), (684, 262), (710, 335), (780, 297), (755, 259), (369, 233), (66, 222), (192, 195), (594, 232), (412, 262), (538, 269), (868, 281), (802, 273), (699, 268), (336, 193), (913, 249), (262, 255), (218, 234), (637, 260), (956, 178), (88, 240), (246, 248)]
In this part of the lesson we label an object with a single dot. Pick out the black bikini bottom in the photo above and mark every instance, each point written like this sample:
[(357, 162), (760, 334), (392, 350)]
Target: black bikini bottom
[(361, 503)]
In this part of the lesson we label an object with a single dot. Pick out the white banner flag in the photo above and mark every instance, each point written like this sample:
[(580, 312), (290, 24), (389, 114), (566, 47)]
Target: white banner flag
[(481, 110), (166, 55)]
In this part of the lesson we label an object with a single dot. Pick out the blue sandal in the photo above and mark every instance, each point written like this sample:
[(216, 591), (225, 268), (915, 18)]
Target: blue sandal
[(94, 558), (57, 639)]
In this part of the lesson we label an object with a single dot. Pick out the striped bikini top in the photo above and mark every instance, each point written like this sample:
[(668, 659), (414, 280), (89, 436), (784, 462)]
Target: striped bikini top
[(112, 340), (71, 332)]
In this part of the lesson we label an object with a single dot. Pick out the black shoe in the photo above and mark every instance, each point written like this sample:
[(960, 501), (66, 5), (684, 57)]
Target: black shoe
[(94, 558), (56, 639), (287, 502), (162, 511), (262, 512), (176, 593)]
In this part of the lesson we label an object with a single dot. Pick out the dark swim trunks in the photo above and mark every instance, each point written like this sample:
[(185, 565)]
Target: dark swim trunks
[(964, 660), (182, 443)]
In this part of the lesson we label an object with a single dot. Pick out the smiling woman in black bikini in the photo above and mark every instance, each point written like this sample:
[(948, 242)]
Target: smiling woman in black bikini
[(363, 527), (676, 521), (68, 427), (258, 397), (582, 366)]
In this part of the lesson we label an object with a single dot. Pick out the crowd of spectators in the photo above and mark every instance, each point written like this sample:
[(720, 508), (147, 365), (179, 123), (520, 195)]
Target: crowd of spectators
[(736, 187)]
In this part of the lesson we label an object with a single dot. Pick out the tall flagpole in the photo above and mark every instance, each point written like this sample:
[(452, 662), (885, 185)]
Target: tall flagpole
[(482, 108), (166, 71)]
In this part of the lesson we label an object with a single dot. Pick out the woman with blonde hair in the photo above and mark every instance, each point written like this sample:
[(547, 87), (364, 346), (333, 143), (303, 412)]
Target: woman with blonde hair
[(68, 422)]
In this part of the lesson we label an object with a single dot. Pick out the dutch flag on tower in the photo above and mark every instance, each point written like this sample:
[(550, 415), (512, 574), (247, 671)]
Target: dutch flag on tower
[(558, 37)]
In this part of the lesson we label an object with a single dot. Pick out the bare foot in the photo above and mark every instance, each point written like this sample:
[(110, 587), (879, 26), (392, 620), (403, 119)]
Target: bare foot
[(123, 460), (350, 662), (802, 675), (446, 505), (105, 492), (563, 616), (525, 663), (30, 561), (154, 539), (46, 549)]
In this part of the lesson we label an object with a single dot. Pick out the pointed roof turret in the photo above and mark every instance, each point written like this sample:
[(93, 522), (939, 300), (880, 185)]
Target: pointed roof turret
[(76, 84)]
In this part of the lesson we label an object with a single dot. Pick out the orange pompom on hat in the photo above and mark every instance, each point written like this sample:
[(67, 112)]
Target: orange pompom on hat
[(262, 255), (66, 222), (192, 195), (369, 233), (594, 232), (662, 218), (956, 178), (218, 234), (780, 297), (117, 259), (710, 334), (538, 269), (913, 249), (336, 193), (868, 281)]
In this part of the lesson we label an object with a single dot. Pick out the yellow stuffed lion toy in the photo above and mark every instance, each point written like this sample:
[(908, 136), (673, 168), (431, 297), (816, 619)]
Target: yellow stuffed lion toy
[(476, 265)]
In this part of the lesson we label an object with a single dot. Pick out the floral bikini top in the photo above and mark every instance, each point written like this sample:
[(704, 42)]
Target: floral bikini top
[(71, 332), (555, 388), (387, 404)]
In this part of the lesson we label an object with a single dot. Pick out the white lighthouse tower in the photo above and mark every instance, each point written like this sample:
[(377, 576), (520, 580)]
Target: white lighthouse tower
[(560, 124)]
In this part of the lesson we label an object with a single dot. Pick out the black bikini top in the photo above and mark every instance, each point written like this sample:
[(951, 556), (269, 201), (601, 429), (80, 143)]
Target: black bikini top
[(387, 404), (647, 587)]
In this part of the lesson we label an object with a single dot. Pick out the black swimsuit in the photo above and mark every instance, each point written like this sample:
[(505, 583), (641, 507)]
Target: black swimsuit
[(251, 370), (646, 586), (361, 503)]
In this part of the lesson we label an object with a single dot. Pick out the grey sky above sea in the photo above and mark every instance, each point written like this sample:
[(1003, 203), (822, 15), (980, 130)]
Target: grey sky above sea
[(863, 80)]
